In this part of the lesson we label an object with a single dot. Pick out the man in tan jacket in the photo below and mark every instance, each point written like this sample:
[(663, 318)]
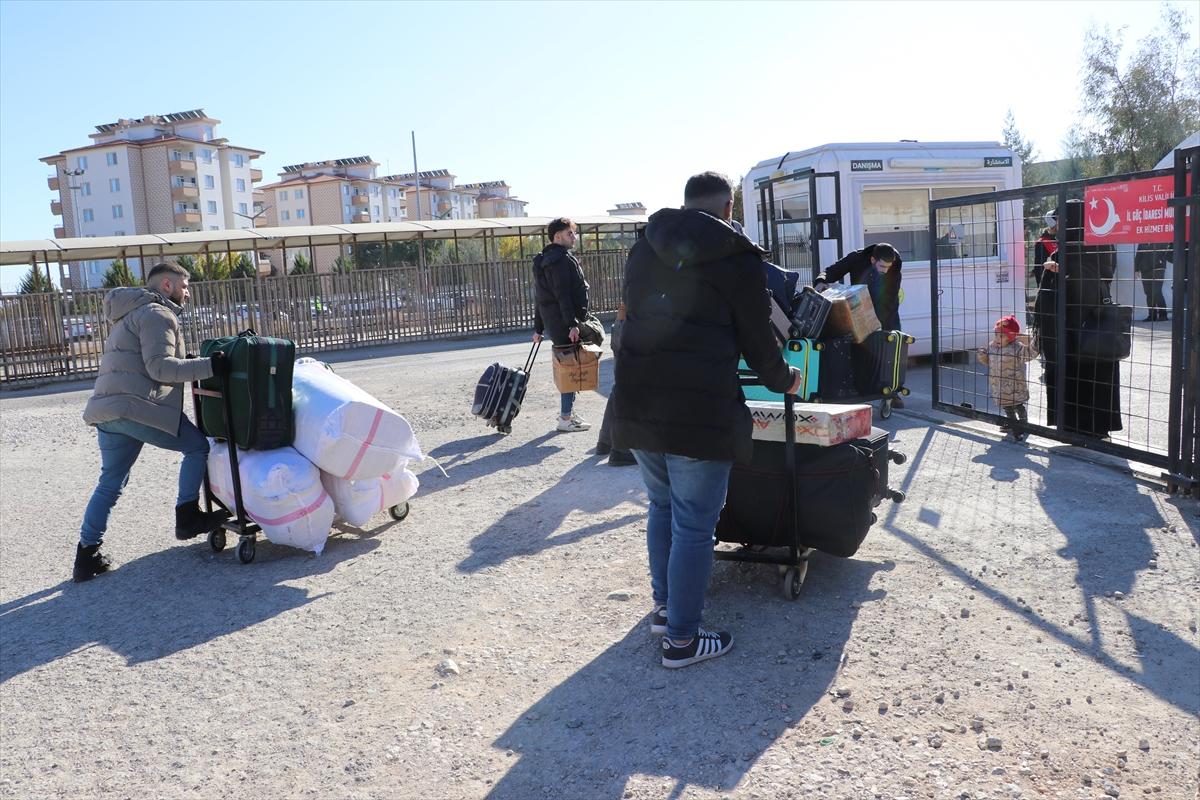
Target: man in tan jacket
[(137, 400)]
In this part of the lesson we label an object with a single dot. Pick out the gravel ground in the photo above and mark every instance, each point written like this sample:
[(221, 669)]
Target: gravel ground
[(1023, 626)]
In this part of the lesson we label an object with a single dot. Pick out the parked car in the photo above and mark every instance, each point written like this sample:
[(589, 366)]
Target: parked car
[(77, 328)]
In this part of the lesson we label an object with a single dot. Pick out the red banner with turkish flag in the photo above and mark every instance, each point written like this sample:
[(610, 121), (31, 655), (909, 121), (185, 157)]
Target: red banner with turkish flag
[(1129, 212)]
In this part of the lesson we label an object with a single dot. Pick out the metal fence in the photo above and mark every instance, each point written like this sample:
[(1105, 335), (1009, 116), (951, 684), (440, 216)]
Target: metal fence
[(55, 337), (1141, 406)]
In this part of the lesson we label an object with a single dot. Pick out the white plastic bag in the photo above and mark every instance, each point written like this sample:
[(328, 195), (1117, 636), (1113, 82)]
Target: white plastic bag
[(281, 491), (342, 429), (357, 501)]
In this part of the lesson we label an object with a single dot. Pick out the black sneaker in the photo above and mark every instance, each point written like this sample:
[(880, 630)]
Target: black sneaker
[(658, 621), (704, 645), (89, 562), (190, 521)]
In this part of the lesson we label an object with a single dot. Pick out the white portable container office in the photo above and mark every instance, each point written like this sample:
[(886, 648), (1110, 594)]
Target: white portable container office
[(880, 192)]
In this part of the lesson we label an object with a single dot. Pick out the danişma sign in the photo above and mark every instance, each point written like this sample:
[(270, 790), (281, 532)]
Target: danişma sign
[(866, 165)]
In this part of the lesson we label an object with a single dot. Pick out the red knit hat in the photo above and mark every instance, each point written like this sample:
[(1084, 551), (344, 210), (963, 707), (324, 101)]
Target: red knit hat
[(1010, 326)]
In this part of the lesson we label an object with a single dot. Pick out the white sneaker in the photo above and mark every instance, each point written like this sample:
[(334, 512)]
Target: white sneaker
[(572, 425)]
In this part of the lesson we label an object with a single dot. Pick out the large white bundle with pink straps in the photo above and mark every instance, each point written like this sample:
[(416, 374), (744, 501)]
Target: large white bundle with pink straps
[(358, 501), (342, 429), (281, 491)]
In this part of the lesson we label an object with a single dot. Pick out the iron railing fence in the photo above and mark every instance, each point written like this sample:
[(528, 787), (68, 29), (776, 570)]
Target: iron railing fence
[(58, 337), (987, 263)]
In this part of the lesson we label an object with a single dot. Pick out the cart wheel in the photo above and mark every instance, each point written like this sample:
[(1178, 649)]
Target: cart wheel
[(245, 551), (897, 458), (216, 540), (793, 579), (505, 429), (896, 495), (874, 518), (885, 409), (399, 511)]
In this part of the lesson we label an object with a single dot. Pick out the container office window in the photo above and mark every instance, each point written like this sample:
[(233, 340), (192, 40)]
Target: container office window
[(900, 217), (111, 158)]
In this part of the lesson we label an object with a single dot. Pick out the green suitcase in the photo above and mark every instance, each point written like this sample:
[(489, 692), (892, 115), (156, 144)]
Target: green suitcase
[(260, 391)]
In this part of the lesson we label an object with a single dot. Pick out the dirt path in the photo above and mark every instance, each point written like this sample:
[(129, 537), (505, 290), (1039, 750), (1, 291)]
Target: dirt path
[(1023, 626)]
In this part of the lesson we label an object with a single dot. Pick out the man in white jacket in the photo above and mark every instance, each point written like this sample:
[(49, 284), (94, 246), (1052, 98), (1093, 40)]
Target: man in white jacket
[(137, 400)]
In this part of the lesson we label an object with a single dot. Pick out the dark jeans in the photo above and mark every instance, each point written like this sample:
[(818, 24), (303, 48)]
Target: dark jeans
[(1152, 285)]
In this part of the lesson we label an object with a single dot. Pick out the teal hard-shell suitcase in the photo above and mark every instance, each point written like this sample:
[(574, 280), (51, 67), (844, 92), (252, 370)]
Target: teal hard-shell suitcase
[(804, 355)]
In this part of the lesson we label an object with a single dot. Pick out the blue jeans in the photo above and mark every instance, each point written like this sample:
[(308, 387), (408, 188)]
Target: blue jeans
[(120, 444), (686, 497), (566, 403)]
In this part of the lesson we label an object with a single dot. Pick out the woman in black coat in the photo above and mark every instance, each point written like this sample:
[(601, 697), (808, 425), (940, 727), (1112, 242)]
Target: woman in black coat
[(1091, 389)]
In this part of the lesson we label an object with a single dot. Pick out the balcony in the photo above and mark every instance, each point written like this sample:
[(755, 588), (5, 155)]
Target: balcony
[(191, 217), (185, 192), (260, 222), (60, 233), (181, 166), (360, 200), (255, 175), (361, 216), (52, 182), (56, 208)]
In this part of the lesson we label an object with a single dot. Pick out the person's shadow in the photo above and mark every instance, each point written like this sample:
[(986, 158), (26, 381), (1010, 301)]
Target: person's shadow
[(534, 525), (164, 602), (456, 459), (577, 744)]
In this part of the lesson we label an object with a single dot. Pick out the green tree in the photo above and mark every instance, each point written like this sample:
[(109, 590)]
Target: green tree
[(1137, 109), (189, 263), (343, 265), (36, 281), (214, 267), (739, 213), (119, 274), (301, 265), (243, 267)]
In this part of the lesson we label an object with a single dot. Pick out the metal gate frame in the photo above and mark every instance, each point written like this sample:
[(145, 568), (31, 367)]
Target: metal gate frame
[(1182, 460), (822, 227)]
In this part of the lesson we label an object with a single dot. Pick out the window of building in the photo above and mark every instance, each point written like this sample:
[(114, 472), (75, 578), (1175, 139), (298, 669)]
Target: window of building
[(213, 228), (346, 189), (239, 160), (80, 162), (86, 189), (118, 212), (208, 132), (241, 184), (900, 217), (299, 213), (114, 184), (348, 211), (242, 208), (281, 195), (298, 194), (394, 211), (111, 159), (375, 210), (119, 233), (92, 267), (285, 215), (206, 154), (88, 216), (212, 206), (209, 183), (375, 190)]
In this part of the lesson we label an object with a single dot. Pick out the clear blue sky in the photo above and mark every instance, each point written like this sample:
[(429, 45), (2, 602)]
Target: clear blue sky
[(577, 105)]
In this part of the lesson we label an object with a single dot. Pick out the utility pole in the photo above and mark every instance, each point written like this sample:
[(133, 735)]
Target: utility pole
[(416, 173), (74, 187)]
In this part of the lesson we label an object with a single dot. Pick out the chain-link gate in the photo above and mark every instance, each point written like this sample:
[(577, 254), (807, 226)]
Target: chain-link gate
[(1100, 277), (799, 213)]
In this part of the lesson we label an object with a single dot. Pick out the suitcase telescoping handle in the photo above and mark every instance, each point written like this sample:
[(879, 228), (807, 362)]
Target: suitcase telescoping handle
[(533, 351), (747, 378)]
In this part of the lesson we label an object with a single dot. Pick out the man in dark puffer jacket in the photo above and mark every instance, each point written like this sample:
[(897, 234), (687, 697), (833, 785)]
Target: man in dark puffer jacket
[(561, 303), (696, 298)]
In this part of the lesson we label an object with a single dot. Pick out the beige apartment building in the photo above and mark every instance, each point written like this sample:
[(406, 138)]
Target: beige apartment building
[(627, 210), (158, 174), (437, 197)]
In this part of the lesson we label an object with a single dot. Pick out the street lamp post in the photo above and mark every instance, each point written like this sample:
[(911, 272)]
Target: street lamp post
[(75, 187)]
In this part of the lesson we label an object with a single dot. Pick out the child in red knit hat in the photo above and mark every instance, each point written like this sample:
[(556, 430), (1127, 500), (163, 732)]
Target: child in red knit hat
[(1005, 357)]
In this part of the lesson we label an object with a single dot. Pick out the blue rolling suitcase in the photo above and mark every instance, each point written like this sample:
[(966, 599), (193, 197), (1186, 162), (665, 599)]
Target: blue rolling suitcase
[(804, 355)]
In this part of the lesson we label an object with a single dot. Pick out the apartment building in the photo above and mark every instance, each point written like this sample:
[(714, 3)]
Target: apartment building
[(436, 196), (627, 210), (158, 174)]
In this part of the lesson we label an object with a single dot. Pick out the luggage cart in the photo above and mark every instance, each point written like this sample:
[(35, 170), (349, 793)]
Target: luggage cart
[(239, 523), (793, 562)]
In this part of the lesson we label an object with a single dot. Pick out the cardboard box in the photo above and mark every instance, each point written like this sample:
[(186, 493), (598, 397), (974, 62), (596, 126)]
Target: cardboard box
[(851, 313), (577, 368), (823, 424)]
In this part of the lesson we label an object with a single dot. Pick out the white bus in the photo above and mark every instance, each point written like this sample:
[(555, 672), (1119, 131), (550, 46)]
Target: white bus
[(880, 192)]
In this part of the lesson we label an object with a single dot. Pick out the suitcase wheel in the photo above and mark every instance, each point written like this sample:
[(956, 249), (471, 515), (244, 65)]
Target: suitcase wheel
[(216, 540), (885, 410), (399, 511), (793, 579), (904, 391), (891, 337), (818, 346), (886, 391), (245, 550), (897, 458), (895, 495), (909, 339), (506, 429)]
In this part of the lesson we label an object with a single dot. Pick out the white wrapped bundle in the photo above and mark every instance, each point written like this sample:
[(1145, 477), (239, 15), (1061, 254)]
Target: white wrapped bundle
[(281, 491), (358, 501), (342, 429)]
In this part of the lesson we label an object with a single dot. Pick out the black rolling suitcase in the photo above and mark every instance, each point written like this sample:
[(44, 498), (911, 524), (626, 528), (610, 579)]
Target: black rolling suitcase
[(500, 391), (836, 380), (260, 389), (809, 314), (881, 363)]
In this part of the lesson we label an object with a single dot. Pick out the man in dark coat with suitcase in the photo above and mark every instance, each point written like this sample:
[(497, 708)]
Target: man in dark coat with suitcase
[(876, 266), (696, 298), (561, 303), (138, 400)]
